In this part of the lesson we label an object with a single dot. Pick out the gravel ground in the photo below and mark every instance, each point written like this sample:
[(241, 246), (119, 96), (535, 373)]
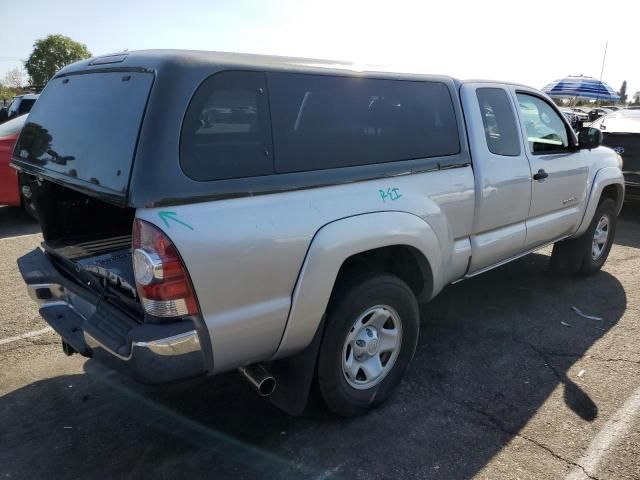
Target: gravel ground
[(507, 382)]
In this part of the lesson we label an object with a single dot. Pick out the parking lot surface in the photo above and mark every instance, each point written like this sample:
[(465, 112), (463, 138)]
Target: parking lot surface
[(508, 381)]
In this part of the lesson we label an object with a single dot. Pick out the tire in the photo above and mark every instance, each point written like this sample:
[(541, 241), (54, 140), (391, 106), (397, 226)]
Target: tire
[(29, 208), (26, 202), (580, 255), (379, 305)]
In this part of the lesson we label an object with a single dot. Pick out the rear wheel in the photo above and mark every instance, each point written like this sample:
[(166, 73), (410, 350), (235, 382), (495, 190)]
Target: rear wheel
[(588, 253), (369, 340)]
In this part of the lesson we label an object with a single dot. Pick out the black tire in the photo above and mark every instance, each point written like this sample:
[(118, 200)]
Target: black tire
[(29, 208), (27, 202), (348, 303), (575, 255)]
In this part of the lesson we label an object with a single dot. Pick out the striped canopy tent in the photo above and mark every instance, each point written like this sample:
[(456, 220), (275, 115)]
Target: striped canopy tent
[(584, 87)]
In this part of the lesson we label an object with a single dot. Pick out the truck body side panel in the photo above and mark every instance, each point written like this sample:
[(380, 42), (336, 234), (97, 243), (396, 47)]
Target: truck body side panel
[(502, 189), (244, 255)]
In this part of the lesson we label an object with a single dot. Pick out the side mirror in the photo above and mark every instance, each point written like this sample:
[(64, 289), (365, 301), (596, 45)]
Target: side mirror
[(589, 138)]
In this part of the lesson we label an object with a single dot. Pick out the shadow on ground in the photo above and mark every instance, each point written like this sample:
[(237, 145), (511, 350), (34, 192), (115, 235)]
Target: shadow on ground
[(14, 221), (491, 350)]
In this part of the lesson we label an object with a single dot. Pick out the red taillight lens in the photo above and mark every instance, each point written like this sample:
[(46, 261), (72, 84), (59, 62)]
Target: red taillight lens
[(161, 278)]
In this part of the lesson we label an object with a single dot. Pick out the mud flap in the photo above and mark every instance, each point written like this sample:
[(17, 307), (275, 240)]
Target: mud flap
[(294, 376), (567, 255)]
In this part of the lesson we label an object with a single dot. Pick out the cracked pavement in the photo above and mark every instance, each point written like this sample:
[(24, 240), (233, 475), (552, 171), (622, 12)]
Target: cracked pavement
[(507, 382)]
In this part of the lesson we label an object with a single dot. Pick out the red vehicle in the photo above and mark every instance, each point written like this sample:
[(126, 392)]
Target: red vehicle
[(10, 193)]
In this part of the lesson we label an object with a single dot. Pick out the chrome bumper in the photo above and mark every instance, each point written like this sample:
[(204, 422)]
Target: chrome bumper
[(153, 353), (175, 345)]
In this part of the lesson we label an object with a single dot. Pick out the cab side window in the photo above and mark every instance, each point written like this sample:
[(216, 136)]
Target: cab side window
[(322, 121), (226, 132), (546, 132), (500, 127)]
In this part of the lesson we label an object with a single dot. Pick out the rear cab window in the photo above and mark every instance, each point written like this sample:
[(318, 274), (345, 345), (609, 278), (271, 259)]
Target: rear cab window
[(85, 127)]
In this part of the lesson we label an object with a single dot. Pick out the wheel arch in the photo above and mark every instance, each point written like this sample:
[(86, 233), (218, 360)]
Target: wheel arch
[(362, 242), (608, 183), (615, 192), (404, 261)]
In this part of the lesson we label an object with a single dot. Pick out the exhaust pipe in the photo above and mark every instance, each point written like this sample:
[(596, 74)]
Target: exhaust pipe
[(257, 376)]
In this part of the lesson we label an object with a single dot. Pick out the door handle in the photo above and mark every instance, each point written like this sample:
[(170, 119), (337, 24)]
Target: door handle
[(541, 175)]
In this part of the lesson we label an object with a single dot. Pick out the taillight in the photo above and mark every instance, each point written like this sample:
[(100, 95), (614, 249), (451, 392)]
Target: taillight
[(162, 281)]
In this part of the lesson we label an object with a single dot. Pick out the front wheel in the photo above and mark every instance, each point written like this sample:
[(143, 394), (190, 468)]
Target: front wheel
[(370, 337), (588, 253), (600, 233)]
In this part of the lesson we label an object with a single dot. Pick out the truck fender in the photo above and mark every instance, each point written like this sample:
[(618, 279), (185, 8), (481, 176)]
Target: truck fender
[(603, 178), (331, 246)]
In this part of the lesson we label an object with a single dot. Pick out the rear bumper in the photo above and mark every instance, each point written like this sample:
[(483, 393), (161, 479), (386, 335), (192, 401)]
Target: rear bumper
[(148, 352)]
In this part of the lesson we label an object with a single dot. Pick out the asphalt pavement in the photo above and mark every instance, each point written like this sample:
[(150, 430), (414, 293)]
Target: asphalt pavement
[(508, 381)]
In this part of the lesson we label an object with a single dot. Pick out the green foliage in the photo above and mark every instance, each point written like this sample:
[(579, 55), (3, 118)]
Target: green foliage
[(7, 93), (51, 54), (623, 93)]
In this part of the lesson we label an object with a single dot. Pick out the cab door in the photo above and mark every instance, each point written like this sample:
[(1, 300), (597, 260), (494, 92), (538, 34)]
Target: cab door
[(559, 170), (502, 175)]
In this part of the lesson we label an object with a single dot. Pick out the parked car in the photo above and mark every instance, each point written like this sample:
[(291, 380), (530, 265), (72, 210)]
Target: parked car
[(596, 113), (612, 107), (583, 111), (582, 114), (571, 117), (293, 240), (621, 132), (21, 104), (10, 192)]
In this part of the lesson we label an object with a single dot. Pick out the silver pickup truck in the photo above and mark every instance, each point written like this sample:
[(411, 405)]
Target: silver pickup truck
[(204, 212)]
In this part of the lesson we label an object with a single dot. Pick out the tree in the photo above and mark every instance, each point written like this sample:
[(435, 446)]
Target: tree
[(14, 78), (7, 93), (636, 98), (623, 93), (51, 54)]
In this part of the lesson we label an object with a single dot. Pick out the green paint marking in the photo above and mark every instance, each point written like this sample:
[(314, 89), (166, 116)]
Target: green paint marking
[(392, 194), (166, 215)]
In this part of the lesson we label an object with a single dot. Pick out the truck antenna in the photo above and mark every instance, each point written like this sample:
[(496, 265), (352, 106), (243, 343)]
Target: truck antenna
[(602, 70)]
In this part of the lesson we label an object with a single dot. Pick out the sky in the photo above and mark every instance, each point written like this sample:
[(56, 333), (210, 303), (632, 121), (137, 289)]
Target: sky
[(533, 42)]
